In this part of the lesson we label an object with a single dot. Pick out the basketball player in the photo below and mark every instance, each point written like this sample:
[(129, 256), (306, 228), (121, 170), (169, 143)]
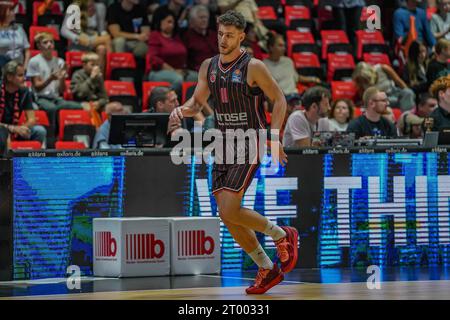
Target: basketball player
[(238, 85)]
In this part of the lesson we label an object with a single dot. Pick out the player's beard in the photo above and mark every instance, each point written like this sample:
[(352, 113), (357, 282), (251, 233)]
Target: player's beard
[(228, 50)]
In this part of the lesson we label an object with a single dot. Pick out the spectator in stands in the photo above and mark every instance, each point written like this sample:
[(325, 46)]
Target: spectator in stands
[(440, 89), (15, 98), (48, 75), (402, 18), (340, 114), (384, 78), (199, 40), (179, 10), (372, 123), (14, 43), (416, 68), (248, 47), (102, 136), (165, 100), (249, 9), (168, 54), (425, 106), (440, 21), (347, 14), (213, 11), (301, 125), (282, 68), (93, 35), (438, 66), (253, 41), (129, 27), (162, 100), (87, 84)]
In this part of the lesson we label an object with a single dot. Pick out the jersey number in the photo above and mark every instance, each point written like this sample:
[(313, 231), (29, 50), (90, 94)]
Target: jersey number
[(224, 95)]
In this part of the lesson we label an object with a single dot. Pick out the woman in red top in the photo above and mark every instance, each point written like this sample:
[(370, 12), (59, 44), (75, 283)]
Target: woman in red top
[(168, 53)]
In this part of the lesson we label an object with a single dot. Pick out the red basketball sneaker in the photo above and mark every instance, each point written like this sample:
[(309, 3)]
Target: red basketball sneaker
[(287, 249), (266, 279)]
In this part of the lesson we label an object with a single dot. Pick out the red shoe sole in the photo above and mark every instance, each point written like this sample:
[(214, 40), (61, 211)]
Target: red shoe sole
[(293, 233), (274, 282)]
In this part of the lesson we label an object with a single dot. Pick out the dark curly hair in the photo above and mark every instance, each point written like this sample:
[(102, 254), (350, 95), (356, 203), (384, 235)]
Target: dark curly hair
[(233, 18)]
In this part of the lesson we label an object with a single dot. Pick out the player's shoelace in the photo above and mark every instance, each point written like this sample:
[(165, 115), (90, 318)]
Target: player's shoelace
[(262, 273), (283, 250)]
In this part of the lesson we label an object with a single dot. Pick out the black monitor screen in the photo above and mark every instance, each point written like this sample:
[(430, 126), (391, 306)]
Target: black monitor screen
[(139, 130), (444, 137)]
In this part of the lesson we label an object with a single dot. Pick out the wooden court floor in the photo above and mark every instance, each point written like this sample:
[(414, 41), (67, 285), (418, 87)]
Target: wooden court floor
[(390, 290)]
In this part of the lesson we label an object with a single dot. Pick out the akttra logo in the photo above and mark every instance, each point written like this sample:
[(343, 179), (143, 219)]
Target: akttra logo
[(105, 244), (143, 246), (194, 243)]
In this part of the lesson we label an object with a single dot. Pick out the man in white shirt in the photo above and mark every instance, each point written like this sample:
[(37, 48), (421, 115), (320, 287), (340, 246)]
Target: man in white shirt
[(302, 124)]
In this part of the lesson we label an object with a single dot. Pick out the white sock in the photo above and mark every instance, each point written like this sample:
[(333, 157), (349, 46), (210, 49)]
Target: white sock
[(274, 231), (260, 257)]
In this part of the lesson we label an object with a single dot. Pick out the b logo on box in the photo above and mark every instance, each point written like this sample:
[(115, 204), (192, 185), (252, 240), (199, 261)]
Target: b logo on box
[(194, 243), (143, 247), (105, 244)]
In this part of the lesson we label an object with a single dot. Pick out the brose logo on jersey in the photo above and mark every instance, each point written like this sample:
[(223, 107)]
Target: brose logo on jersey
[(232, 117)]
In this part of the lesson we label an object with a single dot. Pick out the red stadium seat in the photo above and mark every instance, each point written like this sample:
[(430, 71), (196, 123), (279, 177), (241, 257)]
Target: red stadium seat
[(55, 10), (295, 16), (34, 30), (357, 112), (343, 90), (69, 145), (68, 95), (344, 63), (40, 116), (74, 122), (330, 37), (147, 88), (35, 52), (119, 88), (26, 145), (307, 64), (120, 65), (397, 113), (267, 13), (187, 90), (302, 60), (365, 37), (301, 87), (73, 61), (431, 11), (123, 92), (294, 38), (376, 58)]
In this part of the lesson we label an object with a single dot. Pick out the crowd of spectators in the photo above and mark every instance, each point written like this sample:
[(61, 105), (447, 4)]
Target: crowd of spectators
[(173, 37)]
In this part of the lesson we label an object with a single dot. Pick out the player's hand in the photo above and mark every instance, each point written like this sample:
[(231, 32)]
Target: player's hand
[(176, 115), (173, 125), (282, 156)]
